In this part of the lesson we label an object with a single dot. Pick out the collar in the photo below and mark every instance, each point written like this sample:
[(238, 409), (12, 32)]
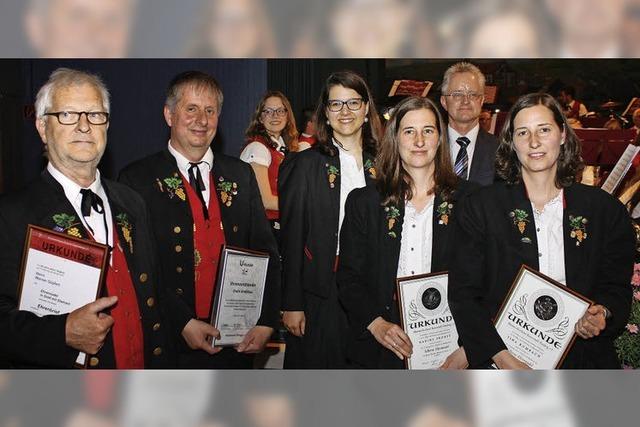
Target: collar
[(71, 189), (184, 163), (472, 134)]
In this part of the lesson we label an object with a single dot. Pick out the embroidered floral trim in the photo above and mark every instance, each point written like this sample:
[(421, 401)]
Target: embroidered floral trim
[(332, 173), (122, 220), (444, 212), (227, 190), (173, 186), (370, 168), (520, 219), (392, 214), (578, 226), (197, 258), (67, 224)]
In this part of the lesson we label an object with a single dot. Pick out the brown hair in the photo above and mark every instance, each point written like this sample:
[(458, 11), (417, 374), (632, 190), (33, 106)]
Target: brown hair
[(257, 129), (394, 182), (371, 129), (570, 163)]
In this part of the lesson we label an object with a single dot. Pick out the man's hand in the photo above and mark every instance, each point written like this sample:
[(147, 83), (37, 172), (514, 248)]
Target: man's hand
[(295, 322), (592, 323), (391, 336), (196, 333), (456, 360), (505, 360), (255, 340), (86, 327)]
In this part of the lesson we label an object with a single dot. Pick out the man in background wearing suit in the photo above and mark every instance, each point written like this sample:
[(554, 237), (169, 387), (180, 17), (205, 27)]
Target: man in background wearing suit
[(473, 150)]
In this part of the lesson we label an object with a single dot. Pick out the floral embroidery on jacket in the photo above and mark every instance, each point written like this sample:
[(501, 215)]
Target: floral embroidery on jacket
[(122, 220), (67, 224), (173, 186), (227, 190), (332, 173), (578, 226), (444, 212), (370, 168), (392, 214)]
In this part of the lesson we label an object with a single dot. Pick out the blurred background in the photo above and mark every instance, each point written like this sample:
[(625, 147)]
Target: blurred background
[(330, 28), (314, 399)]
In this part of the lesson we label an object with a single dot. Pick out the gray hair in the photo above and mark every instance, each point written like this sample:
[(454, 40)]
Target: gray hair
[(461, 67), (66, 77), (199, 81)]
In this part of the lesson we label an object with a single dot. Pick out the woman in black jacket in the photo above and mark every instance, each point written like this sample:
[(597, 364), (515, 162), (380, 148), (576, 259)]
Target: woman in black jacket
[(403, 226), (313, 187), (579, 236)]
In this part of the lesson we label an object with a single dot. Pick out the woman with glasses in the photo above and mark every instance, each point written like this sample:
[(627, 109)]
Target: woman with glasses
[(577, 235), (313, 187), (404, 226), (270, 135)]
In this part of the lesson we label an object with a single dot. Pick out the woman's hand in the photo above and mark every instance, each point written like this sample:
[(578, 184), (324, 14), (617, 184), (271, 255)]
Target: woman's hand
[(592, 323), (295, 322), (505, 360), (456, 360), (391, 336)]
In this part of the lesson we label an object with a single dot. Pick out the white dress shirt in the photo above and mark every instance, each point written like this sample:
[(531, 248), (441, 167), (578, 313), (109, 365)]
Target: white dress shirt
[(548, 223), (472, 135), (351, 177), (205, 168), (256, 152), (417, 240), (95, 221)]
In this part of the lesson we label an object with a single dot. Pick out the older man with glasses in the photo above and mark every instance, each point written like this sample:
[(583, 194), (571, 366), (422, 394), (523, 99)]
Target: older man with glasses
[(473, 150), (123, 328)]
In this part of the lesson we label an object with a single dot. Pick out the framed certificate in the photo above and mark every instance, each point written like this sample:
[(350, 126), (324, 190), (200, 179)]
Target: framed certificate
[(60, 273), (237, 302), (538, 317), (426, 319)]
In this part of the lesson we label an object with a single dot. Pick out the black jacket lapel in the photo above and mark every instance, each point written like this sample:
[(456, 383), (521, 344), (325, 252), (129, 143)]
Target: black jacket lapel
[(441, 224), (333, 178), (523, 225), (60, 216), (369, 169)]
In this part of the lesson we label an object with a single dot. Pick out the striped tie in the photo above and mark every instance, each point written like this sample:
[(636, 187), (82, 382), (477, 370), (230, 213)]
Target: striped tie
[(462, 159)]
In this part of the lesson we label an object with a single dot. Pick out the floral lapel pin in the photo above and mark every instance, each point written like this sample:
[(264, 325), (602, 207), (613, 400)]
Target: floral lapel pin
[(578, 226), (173, 186), (67, 224), (444, 212), (392, 214), (332, 173), (227, 190), (370, 168), (122, 221), (520, 219)]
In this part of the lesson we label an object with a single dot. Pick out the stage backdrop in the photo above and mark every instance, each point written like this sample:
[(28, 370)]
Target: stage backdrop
[(137, 88)]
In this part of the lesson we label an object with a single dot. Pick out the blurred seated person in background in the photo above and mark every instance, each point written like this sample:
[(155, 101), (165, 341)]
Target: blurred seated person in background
[(574, 110), (271, 134), (485, 120), (636, 120), (612, 124), (308, 136)]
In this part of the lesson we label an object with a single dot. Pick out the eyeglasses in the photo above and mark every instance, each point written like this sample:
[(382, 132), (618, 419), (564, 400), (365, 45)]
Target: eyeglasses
[(279, 112), (73, 117), (353, 104), (459, 96)]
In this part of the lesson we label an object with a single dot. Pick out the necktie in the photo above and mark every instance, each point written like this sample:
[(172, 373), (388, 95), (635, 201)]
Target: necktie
[(195, 179), (91, 200), (462, 159)]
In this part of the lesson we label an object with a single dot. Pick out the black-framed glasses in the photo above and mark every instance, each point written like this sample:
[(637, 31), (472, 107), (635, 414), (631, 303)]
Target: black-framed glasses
[(279, 112), (73, 117), (459, 96), (353, 104)]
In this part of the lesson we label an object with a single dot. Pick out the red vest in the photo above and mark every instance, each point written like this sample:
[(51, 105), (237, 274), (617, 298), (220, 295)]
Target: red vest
[(208, 239), (276, 159), (128, 342), (309, 139)]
